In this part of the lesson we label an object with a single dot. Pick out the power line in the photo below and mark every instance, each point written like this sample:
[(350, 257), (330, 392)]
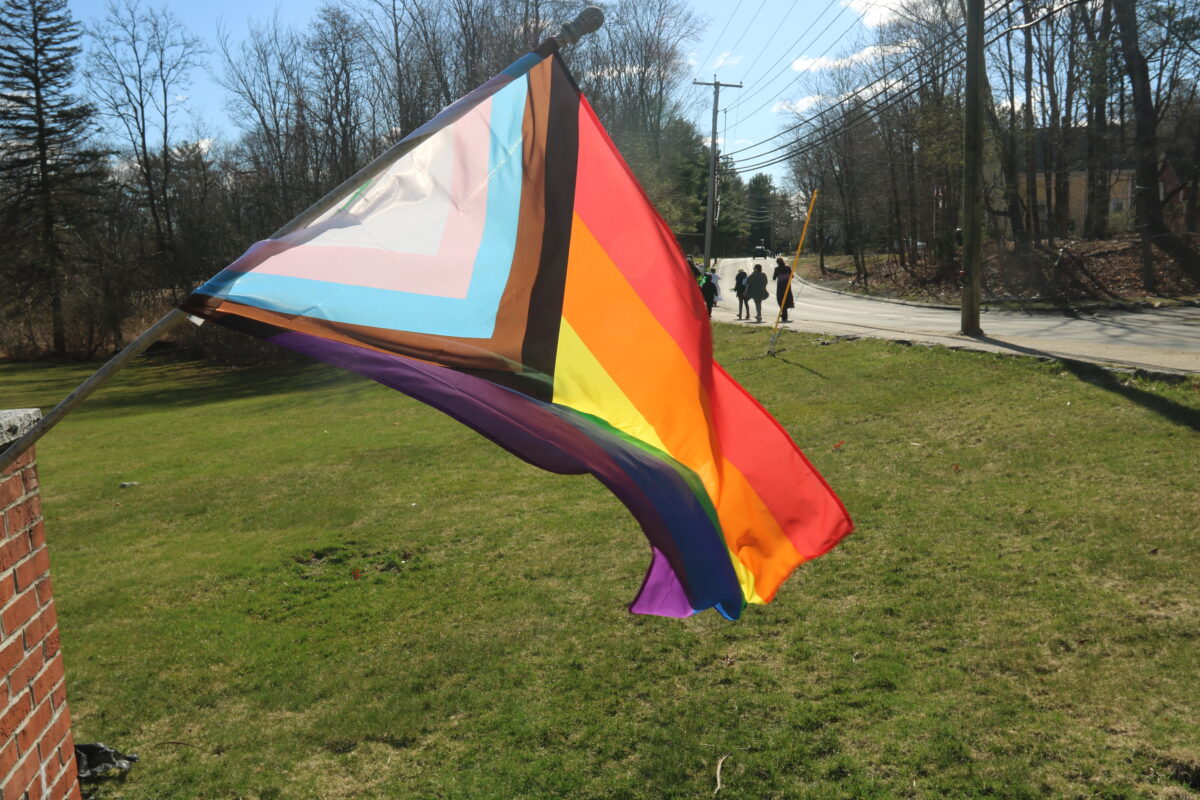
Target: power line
[(800, 147), (747, 28), (916, 55), (800, 73), (784, 54), (904, 67), (717, 40), (775, 33)]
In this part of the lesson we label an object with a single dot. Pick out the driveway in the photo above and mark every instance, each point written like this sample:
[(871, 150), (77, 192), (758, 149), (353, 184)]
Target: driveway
[(1156, 339)]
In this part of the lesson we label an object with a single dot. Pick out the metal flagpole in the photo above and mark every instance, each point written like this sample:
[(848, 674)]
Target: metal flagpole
[(588, 20), (787, 292)]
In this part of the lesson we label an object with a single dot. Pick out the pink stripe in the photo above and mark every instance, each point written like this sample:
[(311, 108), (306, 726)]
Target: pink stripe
[(447, 274)]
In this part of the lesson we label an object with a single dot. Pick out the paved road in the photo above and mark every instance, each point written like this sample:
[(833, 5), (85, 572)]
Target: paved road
[(1158, 339)]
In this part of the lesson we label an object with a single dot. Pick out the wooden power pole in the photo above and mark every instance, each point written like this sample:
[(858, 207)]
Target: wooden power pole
[(712, 166), (972, 252)]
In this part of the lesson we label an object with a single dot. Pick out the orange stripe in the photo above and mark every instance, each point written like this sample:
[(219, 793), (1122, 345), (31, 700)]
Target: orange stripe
[(654, 373)]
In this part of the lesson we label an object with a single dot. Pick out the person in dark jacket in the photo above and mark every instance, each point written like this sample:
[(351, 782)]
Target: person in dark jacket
[(739, 288), (708, 288), (756, 290), (783, 294)]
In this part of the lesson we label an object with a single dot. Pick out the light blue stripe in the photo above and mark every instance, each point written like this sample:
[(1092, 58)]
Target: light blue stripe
[(521, 65), (473, 316)]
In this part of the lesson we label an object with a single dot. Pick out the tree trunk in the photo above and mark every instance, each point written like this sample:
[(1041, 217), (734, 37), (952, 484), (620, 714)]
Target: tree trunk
[(1150, 213), (1035, 227), (1191, 215), (1095, 224)]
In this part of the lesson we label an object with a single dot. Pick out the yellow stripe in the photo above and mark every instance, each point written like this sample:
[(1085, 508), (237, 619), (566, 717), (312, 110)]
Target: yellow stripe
[(581, 383)]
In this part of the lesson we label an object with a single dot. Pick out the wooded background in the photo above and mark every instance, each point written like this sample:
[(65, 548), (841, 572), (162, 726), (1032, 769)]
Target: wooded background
[(114, 204)]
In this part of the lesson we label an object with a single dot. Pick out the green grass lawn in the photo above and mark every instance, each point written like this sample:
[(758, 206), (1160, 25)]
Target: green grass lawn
[(320, 588)]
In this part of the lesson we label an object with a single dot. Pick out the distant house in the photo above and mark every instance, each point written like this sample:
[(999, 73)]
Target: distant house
[(1122, 216)]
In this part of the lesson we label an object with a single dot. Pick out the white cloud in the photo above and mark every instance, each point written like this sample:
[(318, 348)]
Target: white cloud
[(796, 106), (883, 86), (727, 59), (806, 64), (875, 12)]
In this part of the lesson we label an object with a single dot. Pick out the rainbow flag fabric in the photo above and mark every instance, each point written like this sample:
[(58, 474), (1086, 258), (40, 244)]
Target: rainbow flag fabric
[(509, 271)]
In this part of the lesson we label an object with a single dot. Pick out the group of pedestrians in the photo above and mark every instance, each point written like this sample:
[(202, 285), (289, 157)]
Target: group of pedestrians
[(748, 287), (754, 287)]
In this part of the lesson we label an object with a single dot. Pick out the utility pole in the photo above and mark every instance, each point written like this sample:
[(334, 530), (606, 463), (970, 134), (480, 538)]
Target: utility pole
[(972, 252), (712, 165)]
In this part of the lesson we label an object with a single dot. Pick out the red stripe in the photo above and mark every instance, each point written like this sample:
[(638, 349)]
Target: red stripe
[(637, 239)]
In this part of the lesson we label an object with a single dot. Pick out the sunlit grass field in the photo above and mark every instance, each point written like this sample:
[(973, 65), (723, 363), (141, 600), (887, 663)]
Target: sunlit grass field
[(321, 589)]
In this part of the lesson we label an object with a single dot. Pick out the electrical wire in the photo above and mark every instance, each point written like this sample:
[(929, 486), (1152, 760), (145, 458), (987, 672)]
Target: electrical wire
[(747, 28), (913, 59), (799, 148), (784, 54), (775, 32), (717, 41)]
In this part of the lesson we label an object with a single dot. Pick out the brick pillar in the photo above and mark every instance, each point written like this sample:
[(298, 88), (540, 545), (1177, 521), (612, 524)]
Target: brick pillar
[(38, 756)]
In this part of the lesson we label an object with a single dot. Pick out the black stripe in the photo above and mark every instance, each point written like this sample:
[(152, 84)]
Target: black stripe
[(545, 306)]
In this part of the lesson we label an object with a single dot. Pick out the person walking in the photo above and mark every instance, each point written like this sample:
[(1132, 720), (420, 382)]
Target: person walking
[(708, 289), (739, 289), (783, 294), (756, 290), (716, 282)]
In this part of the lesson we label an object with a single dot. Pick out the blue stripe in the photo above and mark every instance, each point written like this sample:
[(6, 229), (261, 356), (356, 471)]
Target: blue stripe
[(473, 316), (521, 65)]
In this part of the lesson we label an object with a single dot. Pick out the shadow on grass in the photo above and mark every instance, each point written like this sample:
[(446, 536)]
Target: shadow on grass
[(776, 355), (163, 382), (1104, 379)]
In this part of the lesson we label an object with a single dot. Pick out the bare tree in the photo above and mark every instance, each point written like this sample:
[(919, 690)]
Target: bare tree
[(139, 69)]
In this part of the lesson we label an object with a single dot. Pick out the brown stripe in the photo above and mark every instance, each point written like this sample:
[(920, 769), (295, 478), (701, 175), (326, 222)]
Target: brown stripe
[(562, 153)]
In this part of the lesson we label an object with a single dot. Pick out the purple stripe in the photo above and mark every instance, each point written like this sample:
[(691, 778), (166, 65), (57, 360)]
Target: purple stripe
[(690, 569)]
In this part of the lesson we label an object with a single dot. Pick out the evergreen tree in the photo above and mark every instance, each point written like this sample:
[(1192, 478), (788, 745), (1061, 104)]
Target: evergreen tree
[(42, 159)]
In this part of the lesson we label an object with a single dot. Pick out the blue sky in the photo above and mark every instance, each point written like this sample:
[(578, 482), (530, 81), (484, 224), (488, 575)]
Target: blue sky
[(771, 46)]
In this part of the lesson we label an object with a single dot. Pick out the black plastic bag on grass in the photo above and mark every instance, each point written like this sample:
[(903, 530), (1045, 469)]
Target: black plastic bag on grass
[(97, 760)]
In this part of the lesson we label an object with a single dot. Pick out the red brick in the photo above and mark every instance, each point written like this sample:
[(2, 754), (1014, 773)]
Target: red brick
[(8, 757), (11, 487), (29, 570), (22, 461), (19, 612), (14, 716), (51, 676), (30, 478), (26, 778), (53, 738), (59, 695), (11, 655), (7, 588), (51, 644), (35, 725), (13, 551), (41, 625), (66, 751), (37, 535), (23, 675), (45, 592), (67, 785), (21, 516)]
